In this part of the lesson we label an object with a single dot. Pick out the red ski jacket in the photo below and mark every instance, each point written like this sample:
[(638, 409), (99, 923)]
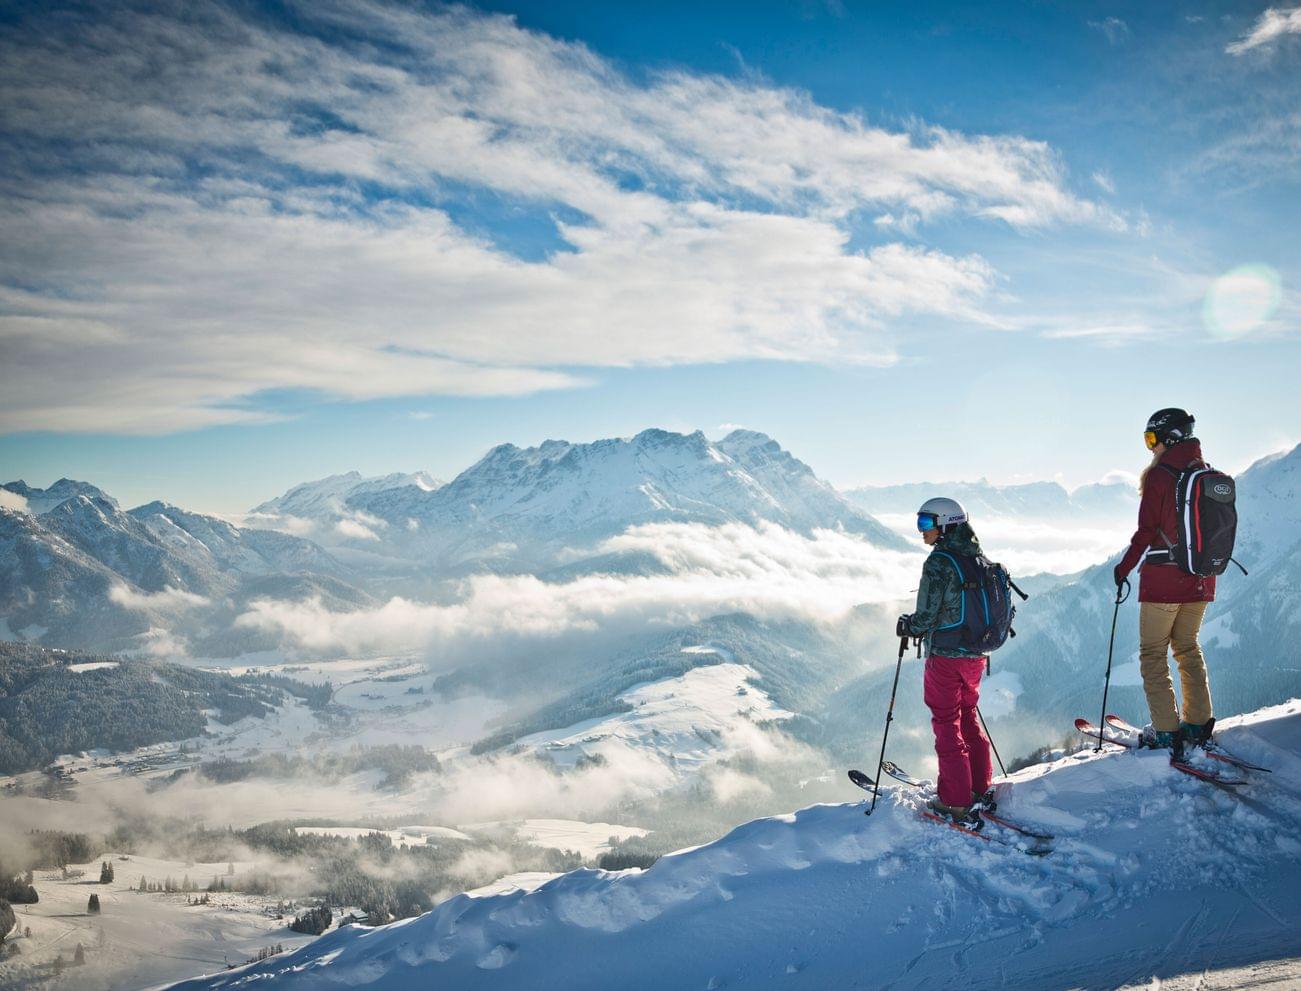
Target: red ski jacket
[(1164, 582)]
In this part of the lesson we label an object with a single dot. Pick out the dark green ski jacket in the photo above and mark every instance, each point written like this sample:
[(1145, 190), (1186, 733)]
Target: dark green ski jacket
[(939, 599)]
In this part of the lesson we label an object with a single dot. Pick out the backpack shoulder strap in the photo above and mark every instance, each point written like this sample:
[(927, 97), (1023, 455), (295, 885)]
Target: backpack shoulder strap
[(963, 580)]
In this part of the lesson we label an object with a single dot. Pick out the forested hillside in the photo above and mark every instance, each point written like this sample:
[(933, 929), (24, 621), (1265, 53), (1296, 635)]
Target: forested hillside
[(54, 702)]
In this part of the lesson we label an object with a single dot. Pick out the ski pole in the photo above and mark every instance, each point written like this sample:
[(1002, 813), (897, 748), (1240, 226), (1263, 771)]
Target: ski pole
[(1106, 685), (889, 718), (985, 727)]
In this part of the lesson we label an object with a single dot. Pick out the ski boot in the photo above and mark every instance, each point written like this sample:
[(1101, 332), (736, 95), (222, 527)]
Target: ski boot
[(1195, 735), (961, 815), (1155, 739), (987, 802)]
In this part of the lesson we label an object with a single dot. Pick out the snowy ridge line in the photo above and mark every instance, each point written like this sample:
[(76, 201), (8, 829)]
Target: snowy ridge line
[(808, 899)]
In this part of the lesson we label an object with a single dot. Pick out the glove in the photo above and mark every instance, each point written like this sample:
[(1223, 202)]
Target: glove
[(903, 627), (1119, 575)]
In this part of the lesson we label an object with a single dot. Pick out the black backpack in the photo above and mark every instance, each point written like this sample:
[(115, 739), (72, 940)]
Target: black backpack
[(987, 610), (1205, 505)]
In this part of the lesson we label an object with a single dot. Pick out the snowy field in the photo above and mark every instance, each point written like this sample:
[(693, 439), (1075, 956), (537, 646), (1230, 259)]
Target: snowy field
[(138, 939), (588, 839), (1156, 880), (698, 718), (406, 836)]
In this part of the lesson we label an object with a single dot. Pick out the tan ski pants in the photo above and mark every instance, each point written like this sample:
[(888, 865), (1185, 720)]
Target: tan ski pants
[(1162, 625)]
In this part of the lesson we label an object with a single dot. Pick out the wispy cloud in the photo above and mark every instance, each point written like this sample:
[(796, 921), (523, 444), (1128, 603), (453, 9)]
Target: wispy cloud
[(200, 210), (1273, 24), (1108, 333), (168, 600), (1114, 29)]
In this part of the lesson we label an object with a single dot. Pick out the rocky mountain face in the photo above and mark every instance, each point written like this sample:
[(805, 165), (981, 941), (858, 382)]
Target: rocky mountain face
[(83, 573), (519, 508), (43, 500)]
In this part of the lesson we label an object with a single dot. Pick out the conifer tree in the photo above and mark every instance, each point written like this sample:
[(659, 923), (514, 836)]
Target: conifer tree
[(79, 957), (92, 906), (7, 919)]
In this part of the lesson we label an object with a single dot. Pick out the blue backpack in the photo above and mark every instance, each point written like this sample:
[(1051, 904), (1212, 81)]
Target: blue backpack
[(987, 610)]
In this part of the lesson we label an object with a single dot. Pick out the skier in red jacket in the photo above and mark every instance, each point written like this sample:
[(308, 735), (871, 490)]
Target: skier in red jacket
[(1172, 602)]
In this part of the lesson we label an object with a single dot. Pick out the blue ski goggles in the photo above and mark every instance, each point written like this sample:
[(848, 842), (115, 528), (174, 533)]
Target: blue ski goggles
[(927, 521)]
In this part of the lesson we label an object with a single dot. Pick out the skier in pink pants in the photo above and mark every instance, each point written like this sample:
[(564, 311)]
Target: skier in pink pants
[(952, 682), (952, 692)]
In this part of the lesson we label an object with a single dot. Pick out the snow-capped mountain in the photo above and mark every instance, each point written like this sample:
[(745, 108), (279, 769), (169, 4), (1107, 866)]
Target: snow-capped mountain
[(124, 544), (327, 497), (524, 506), (51, 588), (43, 500), (1152, 875), (227, 548), (86, 574)]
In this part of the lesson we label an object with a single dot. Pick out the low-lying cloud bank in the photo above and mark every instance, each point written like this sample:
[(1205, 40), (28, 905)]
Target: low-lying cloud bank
[(766, 571)]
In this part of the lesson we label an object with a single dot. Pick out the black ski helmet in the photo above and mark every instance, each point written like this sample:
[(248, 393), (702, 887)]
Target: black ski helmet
[(1171, 425)]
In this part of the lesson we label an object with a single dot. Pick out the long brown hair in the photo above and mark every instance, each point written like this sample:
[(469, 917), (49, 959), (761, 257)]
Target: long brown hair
[(1156, 460)]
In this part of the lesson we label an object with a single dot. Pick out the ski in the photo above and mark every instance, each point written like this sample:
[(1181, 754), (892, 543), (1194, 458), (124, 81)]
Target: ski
[(899, 774), (1082, 725), (1088, 729), (1016, 827), (1211, 776), (925, 814), (862, 780), (1210, 747)]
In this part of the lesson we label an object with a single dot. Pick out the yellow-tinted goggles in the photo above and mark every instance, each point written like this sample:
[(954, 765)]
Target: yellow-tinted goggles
[(1149, 438)]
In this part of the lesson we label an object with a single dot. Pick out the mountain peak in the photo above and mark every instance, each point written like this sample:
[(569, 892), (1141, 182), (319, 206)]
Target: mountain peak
[(743, 436), (41, 501)]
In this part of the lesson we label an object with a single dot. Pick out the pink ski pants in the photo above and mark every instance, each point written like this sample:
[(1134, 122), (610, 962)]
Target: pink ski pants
[(952, 691)]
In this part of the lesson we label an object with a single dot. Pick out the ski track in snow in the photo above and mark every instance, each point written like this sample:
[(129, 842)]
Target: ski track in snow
[(1157, 880)]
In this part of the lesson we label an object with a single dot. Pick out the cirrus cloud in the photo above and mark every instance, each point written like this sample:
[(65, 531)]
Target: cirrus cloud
[(1273, 24), (204, 211)]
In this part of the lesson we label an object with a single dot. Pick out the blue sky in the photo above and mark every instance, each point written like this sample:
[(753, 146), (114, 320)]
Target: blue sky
[(254, 245)]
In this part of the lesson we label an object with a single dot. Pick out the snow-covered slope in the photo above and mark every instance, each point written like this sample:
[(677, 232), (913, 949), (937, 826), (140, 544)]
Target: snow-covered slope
[(245, 551), (521, 507), (1154, 875), (326, 497), (701, 717)]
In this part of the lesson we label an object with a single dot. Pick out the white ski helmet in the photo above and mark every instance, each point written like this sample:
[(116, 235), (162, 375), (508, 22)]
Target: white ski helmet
[(940, 512)]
